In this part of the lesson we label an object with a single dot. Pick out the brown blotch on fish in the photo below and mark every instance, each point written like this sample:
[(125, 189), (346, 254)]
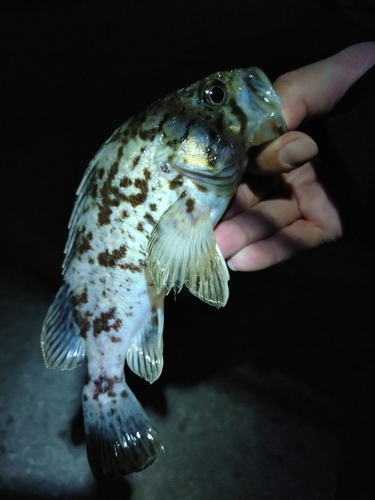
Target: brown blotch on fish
[(117, 197), (175, 182), (147, 135), (102, 323), (135, 161), (172, 143), (147, 174), (84, 325), (125, 182), (162, 121), (200, 188), (141, 197), (149, 218), (110, 259), (105, 385), (107, 190), (82, 299), (140, 227), (104, 216), (124, 394), (94, 190), (80, 320), (124, 214), (133, 268), (117, 324), (190, 203), (115, 339), (83, 244), (153, 207)]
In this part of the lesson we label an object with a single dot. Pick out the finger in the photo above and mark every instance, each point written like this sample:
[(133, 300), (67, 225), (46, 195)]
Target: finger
[(300, 235), (253, 189), (314, 89), (288, 151), (264, 220)]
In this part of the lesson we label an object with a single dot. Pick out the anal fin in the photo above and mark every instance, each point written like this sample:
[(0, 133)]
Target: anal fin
[(145, 355)]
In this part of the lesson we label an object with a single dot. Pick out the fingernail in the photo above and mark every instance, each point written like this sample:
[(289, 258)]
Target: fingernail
[(230, 265), (298, 152)]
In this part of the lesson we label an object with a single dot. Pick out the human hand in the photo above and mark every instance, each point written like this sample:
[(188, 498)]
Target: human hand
[(272, 218)]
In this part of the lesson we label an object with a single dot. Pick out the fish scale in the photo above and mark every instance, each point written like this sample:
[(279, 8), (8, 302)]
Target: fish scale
[(143, 225)]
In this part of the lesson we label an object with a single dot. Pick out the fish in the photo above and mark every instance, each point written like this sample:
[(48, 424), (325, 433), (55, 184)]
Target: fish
[(142, 225)]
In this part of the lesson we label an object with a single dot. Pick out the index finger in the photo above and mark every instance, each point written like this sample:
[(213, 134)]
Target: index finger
[(314, 89)]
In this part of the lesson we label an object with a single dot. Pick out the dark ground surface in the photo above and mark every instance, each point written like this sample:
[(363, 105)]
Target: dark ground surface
[(270, 398)]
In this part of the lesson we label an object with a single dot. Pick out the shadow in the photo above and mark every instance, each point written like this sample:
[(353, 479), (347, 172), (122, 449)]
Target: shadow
[(77, 428), (110, 490)]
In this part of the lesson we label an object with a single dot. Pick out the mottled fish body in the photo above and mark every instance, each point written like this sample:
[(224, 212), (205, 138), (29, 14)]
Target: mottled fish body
[(141, 226)]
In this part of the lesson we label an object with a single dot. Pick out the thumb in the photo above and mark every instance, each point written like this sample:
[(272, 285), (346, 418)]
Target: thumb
[(314, 89), (288, 151)]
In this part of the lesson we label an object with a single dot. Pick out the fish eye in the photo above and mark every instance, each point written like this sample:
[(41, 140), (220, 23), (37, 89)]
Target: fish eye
[(215, 93)]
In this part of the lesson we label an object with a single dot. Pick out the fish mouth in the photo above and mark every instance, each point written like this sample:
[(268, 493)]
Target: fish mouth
[(265, 98)]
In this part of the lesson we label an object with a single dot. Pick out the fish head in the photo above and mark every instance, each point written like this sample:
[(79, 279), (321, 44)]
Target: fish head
[(244, 108), (214, 122)]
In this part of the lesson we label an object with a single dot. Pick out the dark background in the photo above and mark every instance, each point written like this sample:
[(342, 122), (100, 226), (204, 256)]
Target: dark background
[(72, 71)]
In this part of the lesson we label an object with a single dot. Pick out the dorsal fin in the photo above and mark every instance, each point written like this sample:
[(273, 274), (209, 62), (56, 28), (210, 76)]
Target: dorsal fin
[(62, 345)]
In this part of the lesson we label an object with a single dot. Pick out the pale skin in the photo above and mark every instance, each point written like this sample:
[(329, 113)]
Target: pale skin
[(262, 226)]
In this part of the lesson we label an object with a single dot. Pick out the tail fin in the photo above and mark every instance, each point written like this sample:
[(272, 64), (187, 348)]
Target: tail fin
[(119, 437)]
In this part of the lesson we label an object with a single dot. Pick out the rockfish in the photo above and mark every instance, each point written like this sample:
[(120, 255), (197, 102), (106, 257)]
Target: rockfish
[(143, 225)]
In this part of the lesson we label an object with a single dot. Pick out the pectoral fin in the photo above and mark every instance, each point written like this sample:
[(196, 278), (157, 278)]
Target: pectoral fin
[(182, 250)]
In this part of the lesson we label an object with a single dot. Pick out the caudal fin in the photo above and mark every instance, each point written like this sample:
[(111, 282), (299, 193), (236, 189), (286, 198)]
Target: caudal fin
[(119, 436)]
